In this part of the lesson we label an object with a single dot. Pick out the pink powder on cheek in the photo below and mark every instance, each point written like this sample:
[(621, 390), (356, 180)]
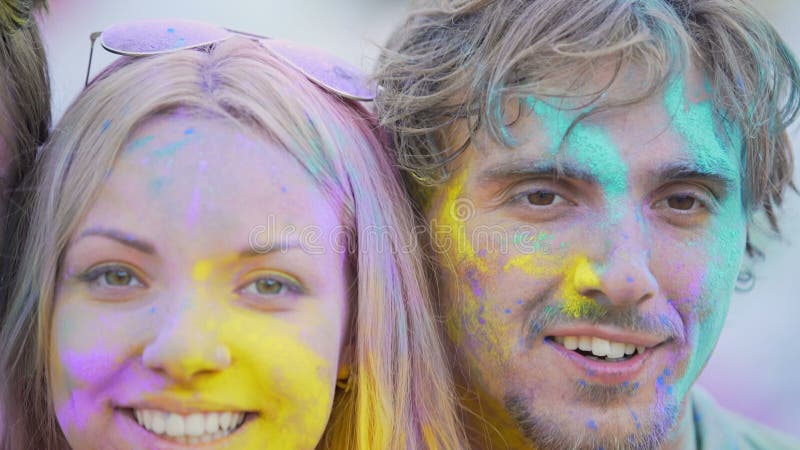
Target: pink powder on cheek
[(94, 379)]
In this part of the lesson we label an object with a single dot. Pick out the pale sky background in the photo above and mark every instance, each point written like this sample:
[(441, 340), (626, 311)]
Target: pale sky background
[(756, 366)]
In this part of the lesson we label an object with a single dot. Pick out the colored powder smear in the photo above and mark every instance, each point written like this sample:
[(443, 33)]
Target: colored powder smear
[(589, 145)]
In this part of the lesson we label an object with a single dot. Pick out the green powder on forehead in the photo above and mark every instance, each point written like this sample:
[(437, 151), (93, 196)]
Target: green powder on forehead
[(589, 145), (710, 147)]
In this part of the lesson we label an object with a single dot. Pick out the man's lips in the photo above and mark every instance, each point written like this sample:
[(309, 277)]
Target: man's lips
[(604, 354), (608, 333)]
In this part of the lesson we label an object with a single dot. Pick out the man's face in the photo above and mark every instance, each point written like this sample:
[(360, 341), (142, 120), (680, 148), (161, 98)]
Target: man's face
[(583, 306)]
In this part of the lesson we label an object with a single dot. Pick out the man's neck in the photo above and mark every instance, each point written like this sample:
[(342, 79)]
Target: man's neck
[(684, 435)]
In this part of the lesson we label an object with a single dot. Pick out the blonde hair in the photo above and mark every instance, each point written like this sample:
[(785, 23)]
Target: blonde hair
[(402, 398), (463, 58)]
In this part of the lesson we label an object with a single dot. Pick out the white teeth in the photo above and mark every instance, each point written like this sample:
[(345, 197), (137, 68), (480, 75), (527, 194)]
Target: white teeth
[(617, 350), (225, 420), (159, 422), (175, 425), (195, 425), (192, 428), (212, 423), (599, 346), (149, 420), (571, 342)]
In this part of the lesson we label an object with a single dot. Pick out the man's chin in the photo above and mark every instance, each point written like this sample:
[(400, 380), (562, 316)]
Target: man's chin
[(613, 426)]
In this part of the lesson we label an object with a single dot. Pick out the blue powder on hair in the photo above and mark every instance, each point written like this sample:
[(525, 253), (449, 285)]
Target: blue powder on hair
[(592, 425), (106, 124)]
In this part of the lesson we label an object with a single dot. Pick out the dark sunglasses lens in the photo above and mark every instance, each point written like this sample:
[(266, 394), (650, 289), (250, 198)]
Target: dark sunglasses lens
[(149, 37), (331, 73)]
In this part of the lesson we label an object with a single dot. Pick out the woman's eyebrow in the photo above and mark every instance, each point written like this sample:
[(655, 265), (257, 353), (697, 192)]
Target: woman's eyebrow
[(122, 237)]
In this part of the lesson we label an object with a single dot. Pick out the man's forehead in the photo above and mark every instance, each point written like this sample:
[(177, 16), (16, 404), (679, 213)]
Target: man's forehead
[(675, 127)]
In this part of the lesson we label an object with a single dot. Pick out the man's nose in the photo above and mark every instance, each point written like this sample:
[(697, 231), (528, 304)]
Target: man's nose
[(184, 347), (621, 264)]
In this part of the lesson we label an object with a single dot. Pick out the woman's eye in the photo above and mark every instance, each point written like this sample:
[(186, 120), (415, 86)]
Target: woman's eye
[(268, 286), (112, 277), (118, 278)]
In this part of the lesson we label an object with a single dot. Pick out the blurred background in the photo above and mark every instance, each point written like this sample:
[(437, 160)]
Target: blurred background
[(755, 369)]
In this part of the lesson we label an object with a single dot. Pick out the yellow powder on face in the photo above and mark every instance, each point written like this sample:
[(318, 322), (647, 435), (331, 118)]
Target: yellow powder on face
[(579, 277), (202, 270), (450, 223), (529, 263), (273, 371)]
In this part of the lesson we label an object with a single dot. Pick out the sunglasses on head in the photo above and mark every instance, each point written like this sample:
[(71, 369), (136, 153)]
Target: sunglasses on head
[(154, 37)]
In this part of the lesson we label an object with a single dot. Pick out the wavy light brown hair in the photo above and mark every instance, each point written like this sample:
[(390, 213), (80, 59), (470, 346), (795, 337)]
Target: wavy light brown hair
[(402, 396), (462, 59), (25, 87)]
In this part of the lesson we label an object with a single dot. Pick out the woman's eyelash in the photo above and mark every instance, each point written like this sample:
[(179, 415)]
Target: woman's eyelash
[(93, 275), (289, 285)]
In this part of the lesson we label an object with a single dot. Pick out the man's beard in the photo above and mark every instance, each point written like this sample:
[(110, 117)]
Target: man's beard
[(543, 432)]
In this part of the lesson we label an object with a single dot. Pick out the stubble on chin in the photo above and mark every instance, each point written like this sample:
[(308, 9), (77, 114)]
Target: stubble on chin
[(543, 431)]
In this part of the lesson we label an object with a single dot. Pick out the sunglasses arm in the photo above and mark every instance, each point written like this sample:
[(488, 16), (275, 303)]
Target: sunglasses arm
[(92, 37)]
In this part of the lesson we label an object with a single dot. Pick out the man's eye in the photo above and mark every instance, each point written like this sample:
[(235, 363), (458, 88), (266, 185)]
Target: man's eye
[(541, 198), (682, 202)]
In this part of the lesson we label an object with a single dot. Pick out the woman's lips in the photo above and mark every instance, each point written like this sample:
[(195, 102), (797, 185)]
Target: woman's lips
[(169, 430)]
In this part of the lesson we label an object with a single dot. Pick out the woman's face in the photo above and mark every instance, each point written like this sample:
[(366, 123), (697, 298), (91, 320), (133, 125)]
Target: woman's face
[(193, 307)]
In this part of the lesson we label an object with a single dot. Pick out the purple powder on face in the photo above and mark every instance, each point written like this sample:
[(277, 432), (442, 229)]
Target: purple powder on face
[(474, 283)]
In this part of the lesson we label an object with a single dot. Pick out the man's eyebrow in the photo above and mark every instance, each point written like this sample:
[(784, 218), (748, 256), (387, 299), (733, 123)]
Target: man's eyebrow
[(122, 237), (687, 171), (531, 169)]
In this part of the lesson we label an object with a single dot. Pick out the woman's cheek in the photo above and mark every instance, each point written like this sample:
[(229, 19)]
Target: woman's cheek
[(295, 381)]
